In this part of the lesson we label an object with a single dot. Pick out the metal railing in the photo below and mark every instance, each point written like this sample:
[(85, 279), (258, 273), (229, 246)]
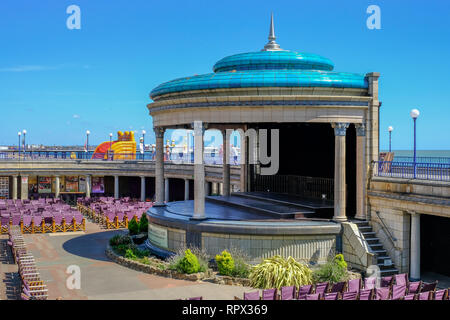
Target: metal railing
[(311, 187), (411, 170), (175, 157), (443, 160)]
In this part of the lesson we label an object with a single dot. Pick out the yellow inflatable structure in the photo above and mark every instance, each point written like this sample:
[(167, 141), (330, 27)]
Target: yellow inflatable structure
[(124, 148)]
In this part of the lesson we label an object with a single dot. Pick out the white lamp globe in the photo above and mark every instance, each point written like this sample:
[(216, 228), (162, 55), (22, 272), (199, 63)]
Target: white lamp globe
[(19, 133), (391, 128), (144, 132), (110, 134), (24, 131), (414, 113), (88, 132)]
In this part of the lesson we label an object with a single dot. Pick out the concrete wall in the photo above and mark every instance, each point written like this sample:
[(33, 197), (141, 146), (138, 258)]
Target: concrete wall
[(392, 200), (355, 248)]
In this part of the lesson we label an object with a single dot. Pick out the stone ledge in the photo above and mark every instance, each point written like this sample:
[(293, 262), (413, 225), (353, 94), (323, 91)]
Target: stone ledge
[(201, 276)]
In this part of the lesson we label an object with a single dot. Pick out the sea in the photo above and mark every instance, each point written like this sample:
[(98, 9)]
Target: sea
[(424, 156)]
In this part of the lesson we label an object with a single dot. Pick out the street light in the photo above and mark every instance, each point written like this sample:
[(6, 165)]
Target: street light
[(19, 134), (390, 129), (143, 144), (414, 114), (87, 143), (24, 142)]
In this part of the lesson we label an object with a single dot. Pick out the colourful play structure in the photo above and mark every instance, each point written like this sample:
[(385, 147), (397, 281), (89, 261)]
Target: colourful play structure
[(124, 148)]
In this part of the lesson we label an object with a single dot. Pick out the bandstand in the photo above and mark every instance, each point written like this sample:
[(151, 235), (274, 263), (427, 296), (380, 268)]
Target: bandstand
[(327, 124)]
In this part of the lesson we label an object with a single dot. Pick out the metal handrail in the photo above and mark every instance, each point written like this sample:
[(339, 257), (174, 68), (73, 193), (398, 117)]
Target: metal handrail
[(386, 230)]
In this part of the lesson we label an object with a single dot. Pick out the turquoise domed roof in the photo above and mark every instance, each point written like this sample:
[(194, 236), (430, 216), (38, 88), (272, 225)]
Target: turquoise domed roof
[(271, 67), (281, 59)]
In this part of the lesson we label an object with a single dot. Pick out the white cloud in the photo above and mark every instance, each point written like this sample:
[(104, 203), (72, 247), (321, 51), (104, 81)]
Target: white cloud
[(27, 68), (76, 116)]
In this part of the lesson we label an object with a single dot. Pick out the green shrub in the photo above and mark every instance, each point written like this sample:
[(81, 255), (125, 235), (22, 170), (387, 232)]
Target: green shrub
[(241, 268), (277, 272), (185, 263), (143, 223), (339, 260), (129, 254), (225, 263), (121, 249), (119, 239), (174, 263), (333, 271), (133, 227)]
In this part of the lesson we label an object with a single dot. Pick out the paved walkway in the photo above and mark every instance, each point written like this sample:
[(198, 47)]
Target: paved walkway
[(102, 279)]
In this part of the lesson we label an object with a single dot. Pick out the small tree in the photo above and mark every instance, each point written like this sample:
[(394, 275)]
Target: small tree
[(143, 223), (133, 227), (225, 263)]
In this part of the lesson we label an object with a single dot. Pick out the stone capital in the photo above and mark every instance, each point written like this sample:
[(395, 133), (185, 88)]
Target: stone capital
[(340, 128), (360, 129), (199, 127), (159, 132)]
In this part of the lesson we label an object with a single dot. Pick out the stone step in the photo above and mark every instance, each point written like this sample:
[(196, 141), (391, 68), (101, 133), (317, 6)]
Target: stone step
[(365, 228), (376, 246), (388, 272), (372, 240), (361, 223), (379, 251), (369, 234)]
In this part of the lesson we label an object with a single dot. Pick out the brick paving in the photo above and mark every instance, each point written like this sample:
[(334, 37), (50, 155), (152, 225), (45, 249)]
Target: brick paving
[(101, 279)]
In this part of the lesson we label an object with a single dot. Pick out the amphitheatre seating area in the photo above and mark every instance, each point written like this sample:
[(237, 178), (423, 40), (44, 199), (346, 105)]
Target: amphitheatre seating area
[(112, 213), (396, 287), (32, 287), (39, 216)]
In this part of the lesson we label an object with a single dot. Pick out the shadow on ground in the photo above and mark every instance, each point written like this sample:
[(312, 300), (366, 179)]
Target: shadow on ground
[(91, 246)]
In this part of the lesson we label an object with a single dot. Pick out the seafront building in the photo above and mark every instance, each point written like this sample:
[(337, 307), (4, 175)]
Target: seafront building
[(331, 193)]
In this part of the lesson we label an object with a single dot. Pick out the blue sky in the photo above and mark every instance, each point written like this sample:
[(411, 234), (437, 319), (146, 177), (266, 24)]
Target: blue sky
[(57, 83)]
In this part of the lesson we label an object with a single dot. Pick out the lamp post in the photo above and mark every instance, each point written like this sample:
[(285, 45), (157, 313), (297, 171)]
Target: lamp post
[(390, 129), (24, 141), (414, 114), (19, 134), (87, 143), (143, 144)]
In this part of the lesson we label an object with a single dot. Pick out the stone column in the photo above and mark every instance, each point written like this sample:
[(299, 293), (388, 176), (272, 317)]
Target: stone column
[(159, 167), (243, 156), (186, 189), (221, 188), (226, 163), (116, 187), (414, 268), (214, 188), (143, 189), (199, 172), (57, 186), (360, 171), (207, 188), (166, 190), (24, 187), (339, 171), (373, 131), (14, 187), (88, 186)]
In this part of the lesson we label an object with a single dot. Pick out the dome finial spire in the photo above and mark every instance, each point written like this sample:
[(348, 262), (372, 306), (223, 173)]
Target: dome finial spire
[(271, 45)]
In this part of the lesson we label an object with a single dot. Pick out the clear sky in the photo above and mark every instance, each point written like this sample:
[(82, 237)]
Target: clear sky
[(56, 83)]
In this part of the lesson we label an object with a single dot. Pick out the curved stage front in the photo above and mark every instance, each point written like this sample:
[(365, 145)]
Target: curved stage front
[(254, 223)]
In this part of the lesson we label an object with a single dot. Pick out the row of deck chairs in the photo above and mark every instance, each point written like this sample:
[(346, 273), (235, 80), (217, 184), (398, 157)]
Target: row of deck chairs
[(40, 216), (32, 287), (396, 287), (112, 213)]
